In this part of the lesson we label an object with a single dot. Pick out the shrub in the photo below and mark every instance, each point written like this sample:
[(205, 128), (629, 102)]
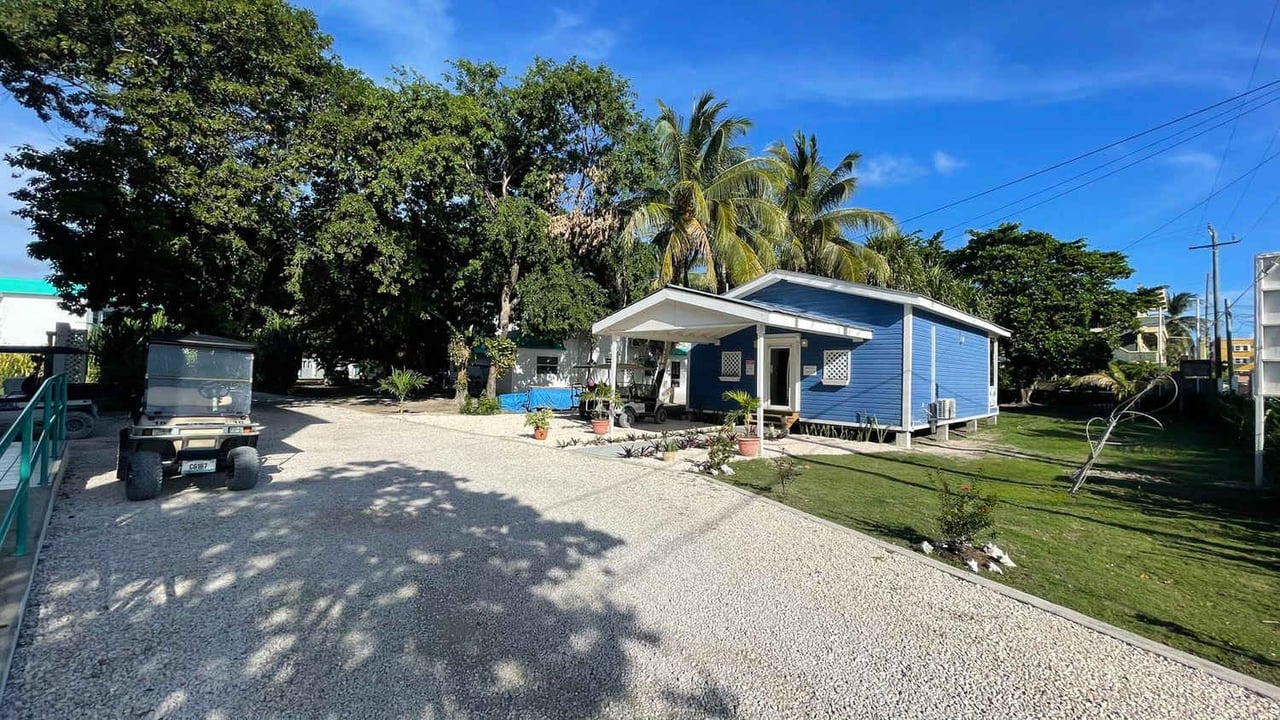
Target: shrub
[(538, 419), (401, 383), (747, 406), (963, 513), (483, 405), (721, 447), (278, 356), (15, 365), (120, 355), (787, 470)]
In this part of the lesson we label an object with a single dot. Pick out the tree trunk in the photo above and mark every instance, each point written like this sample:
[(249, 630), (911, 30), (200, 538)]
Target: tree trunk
[(506, 305), (661, 373)]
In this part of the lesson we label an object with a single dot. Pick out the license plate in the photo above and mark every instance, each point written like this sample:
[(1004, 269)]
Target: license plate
[(190, 467)]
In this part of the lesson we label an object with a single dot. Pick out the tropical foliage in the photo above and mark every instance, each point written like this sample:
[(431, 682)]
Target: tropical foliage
[(225, 171), (816, 236)]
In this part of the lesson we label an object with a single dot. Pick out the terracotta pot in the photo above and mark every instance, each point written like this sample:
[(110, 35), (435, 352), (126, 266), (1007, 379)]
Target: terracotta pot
[(749, 446), (540, 433), (668, 456), (600, 426)]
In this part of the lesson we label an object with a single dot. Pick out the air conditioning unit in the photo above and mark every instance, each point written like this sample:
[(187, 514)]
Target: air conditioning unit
[(943, 409)]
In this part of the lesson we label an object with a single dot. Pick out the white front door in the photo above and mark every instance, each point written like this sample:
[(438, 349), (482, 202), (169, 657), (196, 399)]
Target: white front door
[(782, 372)]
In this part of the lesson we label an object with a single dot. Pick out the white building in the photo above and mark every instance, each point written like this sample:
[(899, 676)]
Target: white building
[(29, 312), (551, 364)]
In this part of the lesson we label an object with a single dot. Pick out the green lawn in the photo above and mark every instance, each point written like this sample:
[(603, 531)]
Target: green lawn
[(1188, 556)]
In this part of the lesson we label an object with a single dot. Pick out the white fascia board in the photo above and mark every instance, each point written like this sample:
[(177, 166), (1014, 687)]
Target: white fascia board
[(745, 313), (875, 293)]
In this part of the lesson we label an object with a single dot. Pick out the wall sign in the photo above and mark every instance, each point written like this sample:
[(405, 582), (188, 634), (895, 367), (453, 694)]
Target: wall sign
[(751, 367), (810, 370)]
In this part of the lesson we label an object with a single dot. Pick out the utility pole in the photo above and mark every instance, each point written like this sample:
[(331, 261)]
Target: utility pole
[(1204, 322), (1231, 351), (1217, 295)]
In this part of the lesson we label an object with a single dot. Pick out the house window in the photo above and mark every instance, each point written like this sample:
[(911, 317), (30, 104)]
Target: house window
[(1240, 348), (675, 373), (547, 365), (836, 367), (730, 365), (1240, 361)]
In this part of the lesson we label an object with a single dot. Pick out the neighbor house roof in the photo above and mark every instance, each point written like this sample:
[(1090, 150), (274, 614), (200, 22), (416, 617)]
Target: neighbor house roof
[(679, 314), (876, 293), (26, 286)]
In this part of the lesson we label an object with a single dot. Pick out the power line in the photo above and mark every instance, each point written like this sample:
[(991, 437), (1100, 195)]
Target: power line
[(1211, 196), (1249, 184), (1090, 171), (1252, 72), (1091, 153)]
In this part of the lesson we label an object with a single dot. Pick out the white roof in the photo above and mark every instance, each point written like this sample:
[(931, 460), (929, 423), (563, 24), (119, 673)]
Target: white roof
[(677, 314), (867, 291)]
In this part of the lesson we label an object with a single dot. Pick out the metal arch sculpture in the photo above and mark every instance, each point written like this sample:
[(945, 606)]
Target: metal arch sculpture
[(1121, 412)]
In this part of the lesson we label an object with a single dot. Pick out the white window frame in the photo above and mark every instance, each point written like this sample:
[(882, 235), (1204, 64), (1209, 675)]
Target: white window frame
[(538, 365), (833, 357), (729, 355)]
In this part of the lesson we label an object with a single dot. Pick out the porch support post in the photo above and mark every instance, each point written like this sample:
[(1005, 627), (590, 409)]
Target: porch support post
[(760, 384), (613, 375)]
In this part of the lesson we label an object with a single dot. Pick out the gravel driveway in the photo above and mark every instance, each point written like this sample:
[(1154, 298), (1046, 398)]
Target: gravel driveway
[(400, 569)]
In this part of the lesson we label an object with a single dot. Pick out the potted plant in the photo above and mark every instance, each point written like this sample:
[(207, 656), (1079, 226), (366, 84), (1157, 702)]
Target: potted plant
[(603, 399), (540, 421), (669, 448), (748, 443)]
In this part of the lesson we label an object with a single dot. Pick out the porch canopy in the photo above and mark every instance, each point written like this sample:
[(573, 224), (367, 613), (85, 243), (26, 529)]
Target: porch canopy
[(678, 314)]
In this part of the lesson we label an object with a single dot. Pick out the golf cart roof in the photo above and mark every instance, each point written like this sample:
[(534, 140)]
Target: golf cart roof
[(43, 350), (198, 340)]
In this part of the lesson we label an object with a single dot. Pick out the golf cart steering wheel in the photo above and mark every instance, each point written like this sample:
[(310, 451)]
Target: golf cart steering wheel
[(214, 389)]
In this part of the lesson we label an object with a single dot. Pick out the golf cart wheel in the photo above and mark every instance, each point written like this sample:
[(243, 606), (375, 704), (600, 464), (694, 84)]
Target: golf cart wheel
[(80, 424), (244, 468), (660, 415), (628, 418), (122, 455), (143, 475)]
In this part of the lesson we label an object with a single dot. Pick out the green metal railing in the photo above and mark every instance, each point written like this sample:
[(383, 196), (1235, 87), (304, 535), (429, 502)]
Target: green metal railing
[(35, 449)]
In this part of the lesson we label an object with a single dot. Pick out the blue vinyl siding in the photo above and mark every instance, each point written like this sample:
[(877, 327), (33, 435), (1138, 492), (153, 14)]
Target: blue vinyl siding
[(875, 386), (876, 383), (705, 386), (961, 369)]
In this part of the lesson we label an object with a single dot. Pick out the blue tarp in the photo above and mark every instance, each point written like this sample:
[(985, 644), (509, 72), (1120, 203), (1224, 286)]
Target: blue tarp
[(556, 398)]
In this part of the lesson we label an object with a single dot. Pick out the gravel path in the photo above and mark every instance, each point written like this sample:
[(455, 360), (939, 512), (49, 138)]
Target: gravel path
[(399, 569)]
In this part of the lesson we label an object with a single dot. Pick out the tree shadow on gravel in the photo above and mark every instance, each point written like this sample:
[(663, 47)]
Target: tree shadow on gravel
[(369, 589)]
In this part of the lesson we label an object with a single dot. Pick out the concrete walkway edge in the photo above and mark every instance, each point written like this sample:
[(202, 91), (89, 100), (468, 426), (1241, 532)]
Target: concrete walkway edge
[(54, 486), (1247, 682)]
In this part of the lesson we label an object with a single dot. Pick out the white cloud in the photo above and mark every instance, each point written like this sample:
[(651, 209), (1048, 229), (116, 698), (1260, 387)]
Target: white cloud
[(571, 33), (945, 163), (882, 170), (1196, 160)]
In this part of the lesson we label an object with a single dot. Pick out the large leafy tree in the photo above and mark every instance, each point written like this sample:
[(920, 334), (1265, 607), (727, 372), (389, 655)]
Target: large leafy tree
[(178, 184), (712, 212), (388, 224), (1058, 299), (546, 176), (816, 238)]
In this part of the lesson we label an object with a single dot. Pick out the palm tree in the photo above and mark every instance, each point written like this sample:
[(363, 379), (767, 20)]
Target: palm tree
[(1180, 325), (818, 224), (713, 215)]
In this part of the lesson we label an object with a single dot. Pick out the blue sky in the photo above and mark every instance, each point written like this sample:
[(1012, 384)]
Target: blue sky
[(941, 99)]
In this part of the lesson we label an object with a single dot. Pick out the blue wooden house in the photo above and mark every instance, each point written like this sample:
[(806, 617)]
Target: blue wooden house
[(827, 351)]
